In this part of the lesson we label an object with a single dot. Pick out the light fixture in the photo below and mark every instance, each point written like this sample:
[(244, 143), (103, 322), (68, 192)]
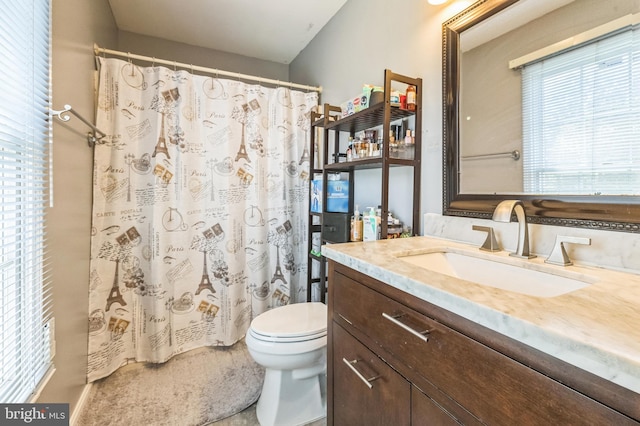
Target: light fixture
[(436, 2)]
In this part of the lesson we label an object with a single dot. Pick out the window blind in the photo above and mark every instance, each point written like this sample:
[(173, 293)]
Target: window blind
[(581, 133), (25, 134)]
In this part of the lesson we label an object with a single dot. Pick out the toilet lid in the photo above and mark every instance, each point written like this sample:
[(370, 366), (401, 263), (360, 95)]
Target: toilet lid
[(298, 320)]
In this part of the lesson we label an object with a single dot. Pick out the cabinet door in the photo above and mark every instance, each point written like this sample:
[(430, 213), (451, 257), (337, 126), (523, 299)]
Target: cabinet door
[(425, 411), (366, 391)]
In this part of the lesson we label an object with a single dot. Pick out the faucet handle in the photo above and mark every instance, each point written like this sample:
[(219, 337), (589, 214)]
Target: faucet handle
[(559, 255), (490, 243)]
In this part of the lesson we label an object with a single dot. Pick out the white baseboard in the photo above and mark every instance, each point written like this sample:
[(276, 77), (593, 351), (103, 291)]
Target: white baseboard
[(84, 396)]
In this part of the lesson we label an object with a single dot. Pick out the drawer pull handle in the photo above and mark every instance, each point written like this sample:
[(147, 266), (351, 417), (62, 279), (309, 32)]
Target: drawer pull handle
[(422, 335), (366, 381), (340, 315)]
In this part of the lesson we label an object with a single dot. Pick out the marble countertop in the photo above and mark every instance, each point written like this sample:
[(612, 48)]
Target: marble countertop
[(596, 328)]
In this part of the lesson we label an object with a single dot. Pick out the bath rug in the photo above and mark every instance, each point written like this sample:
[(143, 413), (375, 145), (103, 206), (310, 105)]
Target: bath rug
[(191, 389)]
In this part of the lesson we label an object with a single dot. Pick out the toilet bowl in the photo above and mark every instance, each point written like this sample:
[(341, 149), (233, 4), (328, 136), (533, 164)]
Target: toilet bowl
[(290, 342)]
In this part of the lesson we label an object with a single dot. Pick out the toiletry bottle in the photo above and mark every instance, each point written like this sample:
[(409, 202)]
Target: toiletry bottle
[(370, 225), (356, 226), (394, 98), (352, 228), (365, 224), (408, 140), (411, 98), (356, 148), (352, 232), (410, 143)]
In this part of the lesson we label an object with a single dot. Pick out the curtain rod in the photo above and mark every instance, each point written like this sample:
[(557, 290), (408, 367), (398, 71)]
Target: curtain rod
[(97, 50)]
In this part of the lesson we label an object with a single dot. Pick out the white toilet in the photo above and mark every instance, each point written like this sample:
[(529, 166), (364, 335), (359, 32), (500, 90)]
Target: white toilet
[(291, 343)]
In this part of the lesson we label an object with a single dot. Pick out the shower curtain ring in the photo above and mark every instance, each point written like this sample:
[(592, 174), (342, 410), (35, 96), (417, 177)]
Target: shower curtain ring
[(153, 62)]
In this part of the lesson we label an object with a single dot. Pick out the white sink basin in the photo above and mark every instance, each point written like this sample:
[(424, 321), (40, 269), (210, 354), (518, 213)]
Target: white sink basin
[(505, 273)]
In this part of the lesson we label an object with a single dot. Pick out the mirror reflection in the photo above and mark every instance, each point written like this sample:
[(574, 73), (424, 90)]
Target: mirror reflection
[(549, 100)]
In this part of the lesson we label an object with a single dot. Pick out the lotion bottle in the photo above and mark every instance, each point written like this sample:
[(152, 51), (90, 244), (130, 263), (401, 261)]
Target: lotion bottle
[(371, 222), (356, 226)]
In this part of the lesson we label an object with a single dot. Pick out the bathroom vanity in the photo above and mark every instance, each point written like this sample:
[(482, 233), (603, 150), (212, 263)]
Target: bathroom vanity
[(412, 345)]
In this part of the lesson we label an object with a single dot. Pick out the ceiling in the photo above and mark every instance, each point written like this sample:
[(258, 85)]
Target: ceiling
[(272, 30)]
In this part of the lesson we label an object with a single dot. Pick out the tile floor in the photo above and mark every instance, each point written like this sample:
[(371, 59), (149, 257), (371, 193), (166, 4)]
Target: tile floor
[(248, 418)]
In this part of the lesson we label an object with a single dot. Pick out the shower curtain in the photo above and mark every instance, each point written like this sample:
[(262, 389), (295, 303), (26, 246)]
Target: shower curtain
[(199, 212)]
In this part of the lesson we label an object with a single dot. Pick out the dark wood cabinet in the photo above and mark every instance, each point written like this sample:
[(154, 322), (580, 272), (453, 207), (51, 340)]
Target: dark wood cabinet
[(370, 391), (425, 411), (457, 377)]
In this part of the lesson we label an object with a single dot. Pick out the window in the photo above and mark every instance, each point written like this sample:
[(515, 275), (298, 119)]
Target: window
[(25, 136), (581, 133)]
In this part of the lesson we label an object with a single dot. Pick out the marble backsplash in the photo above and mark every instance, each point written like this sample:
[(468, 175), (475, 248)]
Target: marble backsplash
[(608, 249)]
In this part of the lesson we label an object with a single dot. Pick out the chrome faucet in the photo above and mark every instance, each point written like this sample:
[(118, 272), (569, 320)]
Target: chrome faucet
[(490, 243), (559, 255), (503, 213)]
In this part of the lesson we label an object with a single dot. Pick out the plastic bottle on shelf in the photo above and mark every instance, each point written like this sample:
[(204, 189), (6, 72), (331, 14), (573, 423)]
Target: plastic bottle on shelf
[(356, 148), (394, 98), (408, 152), (356, 226), (411, 98), (371, 226), (408, 140), (352, 228)]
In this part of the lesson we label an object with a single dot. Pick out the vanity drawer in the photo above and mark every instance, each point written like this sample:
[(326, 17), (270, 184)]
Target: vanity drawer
[(367, 390), (493, 387)]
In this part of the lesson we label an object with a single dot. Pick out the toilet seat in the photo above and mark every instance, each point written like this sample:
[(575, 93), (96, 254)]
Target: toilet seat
[(294, 339), (297, 322)]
